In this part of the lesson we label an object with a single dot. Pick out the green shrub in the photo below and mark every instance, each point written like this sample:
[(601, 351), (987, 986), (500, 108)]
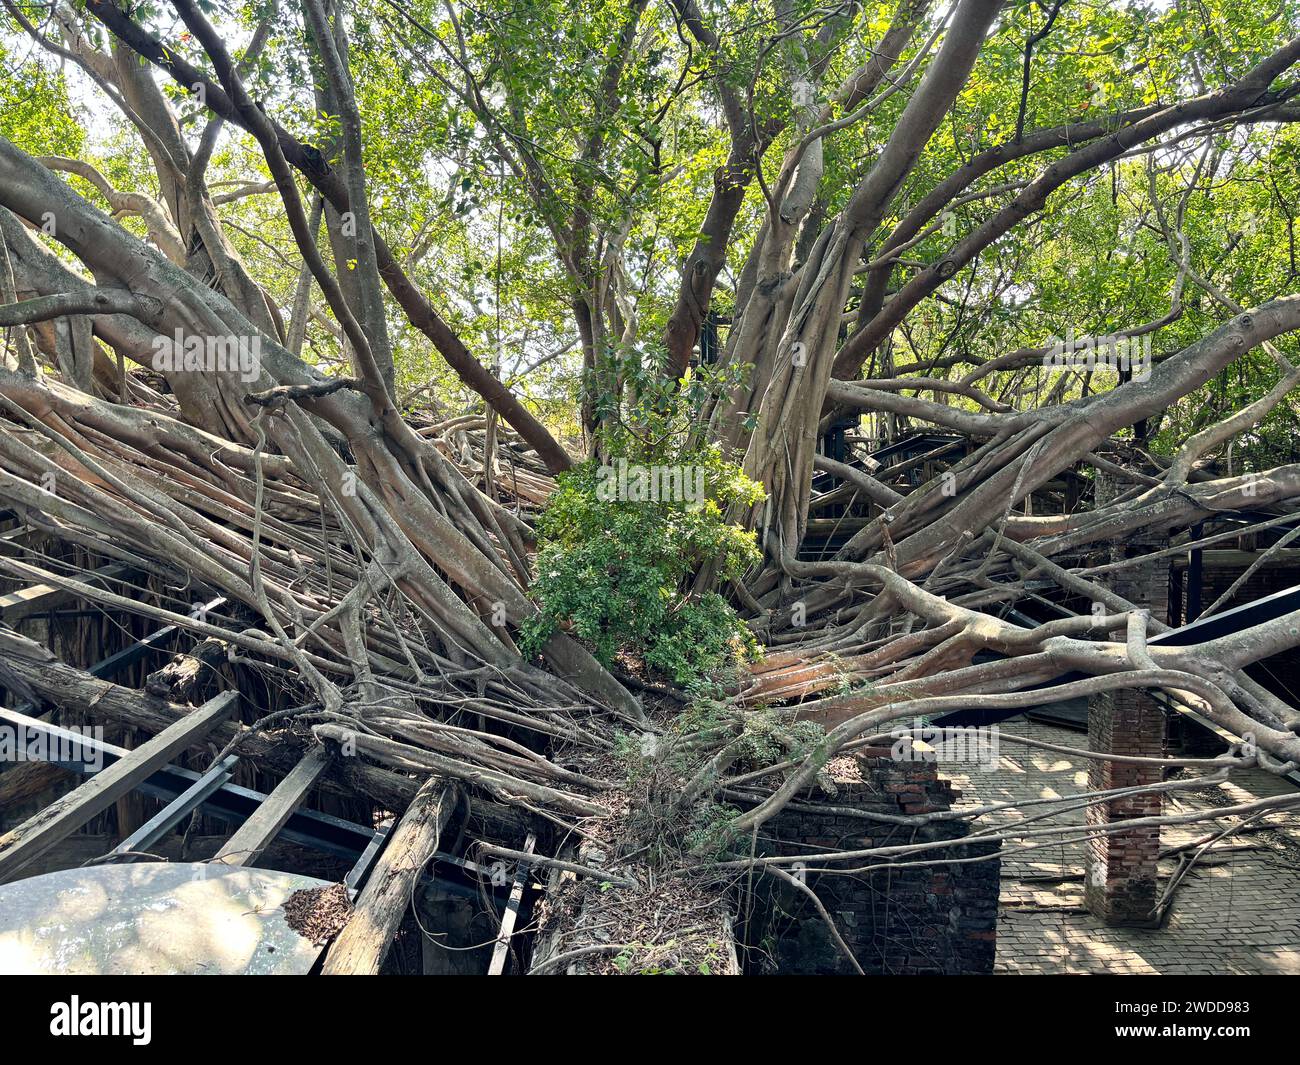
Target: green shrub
[(619, 568)]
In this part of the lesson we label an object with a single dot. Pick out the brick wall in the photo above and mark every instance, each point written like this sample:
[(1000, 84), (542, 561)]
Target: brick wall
[(937, 918), (1120, 884), (1120, 881)]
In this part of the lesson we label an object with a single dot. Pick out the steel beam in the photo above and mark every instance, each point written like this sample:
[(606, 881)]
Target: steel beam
[(178, 809), (230, 804), (36, 835), (361, 869)]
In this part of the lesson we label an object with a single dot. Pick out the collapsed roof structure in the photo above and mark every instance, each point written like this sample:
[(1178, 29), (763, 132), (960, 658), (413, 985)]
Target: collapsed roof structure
[(302, 602), (495, 816)]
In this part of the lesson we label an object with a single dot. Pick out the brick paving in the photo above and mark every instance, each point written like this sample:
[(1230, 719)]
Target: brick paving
[(1237, 911)]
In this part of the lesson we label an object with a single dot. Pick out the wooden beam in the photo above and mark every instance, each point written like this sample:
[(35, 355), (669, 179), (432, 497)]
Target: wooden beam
[(38, 598), (65, 815), (502, 949), (360, 948), (188, 672), (75, 689), (27, 783), (22, 532), (255, 834)]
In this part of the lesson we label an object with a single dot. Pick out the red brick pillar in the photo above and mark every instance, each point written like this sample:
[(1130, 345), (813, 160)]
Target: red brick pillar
[(1120, 881)]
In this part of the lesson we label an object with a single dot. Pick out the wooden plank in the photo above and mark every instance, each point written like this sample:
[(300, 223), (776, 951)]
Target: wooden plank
[(502, 949), (22, 532), (38, 598), (75, 689), (360, 948), (29, 600), (255, 834), (67, 814)]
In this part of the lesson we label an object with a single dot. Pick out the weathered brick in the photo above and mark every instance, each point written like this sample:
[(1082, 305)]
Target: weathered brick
[(939, 918)]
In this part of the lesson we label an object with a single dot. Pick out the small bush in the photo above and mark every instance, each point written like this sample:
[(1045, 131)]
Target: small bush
[(620, 570)]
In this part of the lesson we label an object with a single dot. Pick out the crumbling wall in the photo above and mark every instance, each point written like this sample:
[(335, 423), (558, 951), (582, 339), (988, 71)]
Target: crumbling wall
[(936, 918)]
